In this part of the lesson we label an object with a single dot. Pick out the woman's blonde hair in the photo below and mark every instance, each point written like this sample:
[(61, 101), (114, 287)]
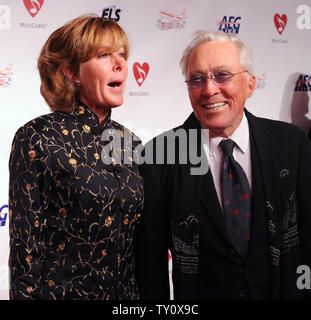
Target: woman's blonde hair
[(74, 43)]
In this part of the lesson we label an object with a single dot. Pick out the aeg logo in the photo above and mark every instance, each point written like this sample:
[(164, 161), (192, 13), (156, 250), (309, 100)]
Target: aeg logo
[(230, 24), (303, 83)]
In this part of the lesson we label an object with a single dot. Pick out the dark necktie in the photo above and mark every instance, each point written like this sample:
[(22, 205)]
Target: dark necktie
[(236, 198)]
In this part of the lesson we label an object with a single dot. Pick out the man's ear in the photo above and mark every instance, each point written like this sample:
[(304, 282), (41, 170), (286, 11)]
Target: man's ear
[(69, 74), (251, 85)]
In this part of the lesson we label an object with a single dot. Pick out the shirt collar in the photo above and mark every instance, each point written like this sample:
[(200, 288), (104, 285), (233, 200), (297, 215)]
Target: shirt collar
[(86, 116), (240, 136)]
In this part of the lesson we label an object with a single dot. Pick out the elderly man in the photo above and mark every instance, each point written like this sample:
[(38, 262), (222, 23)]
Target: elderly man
[(241, 230)]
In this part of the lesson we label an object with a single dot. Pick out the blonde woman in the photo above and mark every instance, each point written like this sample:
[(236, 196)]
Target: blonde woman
[(72, 215)]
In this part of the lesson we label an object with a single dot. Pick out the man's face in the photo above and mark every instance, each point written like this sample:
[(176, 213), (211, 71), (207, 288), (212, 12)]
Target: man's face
[(219, 107)]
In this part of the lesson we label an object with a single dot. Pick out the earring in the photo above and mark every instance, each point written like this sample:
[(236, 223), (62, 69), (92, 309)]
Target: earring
[(77, 83)]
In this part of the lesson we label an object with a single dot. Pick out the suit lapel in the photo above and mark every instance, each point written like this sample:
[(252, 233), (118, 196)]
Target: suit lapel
[(258, 232), (265, 149)]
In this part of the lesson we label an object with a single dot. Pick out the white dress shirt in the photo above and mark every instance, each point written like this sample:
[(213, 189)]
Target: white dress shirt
[(241, 153)]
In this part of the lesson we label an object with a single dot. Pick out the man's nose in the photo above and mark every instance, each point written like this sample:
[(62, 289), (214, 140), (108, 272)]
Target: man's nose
[(209, 88)]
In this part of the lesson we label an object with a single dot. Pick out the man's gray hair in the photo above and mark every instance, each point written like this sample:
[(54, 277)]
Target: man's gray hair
[(202, 36)]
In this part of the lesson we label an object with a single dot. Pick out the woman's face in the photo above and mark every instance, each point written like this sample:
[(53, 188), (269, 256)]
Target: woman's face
[(102, 80)]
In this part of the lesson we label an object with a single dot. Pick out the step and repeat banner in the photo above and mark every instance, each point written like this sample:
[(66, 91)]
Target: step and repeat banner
[(156, 99)]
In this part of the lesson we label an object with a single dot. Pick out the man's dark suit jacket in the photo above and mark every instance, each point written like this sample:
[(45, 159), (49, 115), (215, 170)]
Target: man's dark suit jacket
[(182, 213)]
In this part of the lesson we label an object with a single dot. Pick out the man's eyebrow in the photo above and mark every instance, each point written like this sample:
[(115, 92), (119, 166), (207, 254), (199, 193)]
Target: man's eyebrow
[(221, 67), (213, 69), (197, 72)]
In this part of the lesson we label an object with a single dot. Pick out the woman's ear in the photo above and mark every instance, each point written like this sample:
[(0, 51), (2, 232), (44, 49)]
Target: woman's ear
[(69, 74)]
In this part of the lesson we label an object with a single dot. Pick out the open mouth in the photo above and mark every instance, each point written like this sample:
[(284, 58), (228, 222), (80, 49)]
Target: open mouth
[(114, 84)]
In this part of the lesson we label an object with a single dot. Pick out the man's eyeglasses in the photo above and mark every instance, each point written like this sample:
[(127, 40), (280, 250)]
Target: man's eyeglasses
[(219, 78)]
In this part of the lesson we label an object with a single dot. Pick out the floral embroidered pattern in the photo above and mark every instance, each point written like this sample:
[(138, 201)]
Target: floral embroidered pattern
[(72, 217), (283, 229), (186, 254)]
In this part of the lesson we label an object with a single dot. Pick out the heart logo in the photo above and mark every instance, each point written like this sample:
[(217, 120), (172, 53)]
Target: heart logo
[(280, 22), (33, 6), (140, 72), (3, 216)]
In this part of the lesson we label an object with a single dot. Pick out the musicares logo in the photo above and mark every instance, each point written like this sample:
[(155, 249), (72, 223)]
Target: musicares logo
[(33, 6), (280, 22), (140, 72)]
